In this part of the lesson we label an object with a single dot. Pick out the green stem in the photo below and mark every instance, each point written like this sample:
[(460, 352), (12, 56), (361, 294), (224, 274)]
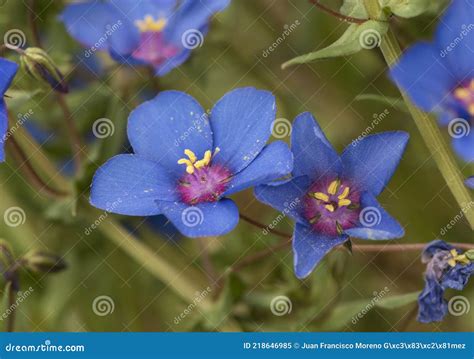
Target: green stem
[(428, 128)]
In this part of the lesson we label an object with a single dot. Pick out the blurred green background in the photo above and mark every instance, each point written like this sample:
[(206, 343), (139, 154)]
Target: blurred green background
[(150, 277)]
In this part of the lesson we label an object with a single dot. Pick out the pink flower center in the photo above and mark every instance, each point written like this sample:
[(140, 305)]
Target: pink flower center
[(332, 206), (465, 96), (203, 181), (152, 47)]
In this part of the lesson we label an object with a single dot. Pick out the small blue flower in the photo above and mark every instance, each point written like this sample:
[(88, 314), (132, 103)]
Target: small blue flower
[(446, 268), (8, 71), (439, 76), (470, 182), (160, 33), (185, 162), (332, 197)]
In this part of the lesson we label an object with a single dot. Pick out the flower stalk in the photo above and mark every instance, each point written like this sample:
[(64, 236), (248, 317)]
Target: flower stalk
[(428, 128)]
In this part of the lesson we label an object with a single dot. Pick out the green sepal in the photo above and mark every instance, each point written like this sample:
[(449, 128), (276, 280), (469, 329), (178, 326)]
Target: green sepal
[(356, 38)]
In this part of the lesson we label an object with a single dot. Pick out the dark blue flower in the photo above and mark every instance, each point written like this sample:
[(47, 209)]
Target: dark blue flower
[(160, 33), (332, 197), (446, 268), (439, 76), (185, 164), (8, 71), (470, 182)]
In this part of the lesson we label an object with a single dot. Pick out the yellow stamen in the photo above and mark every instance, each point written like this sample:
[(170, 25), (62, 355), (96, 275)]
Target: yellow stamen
[(329, 207), (345, 193), (462, 93), (344, 202), (205, 161), (191, 155), (148, 24), (333, 187), (321, 196), (470, 109)]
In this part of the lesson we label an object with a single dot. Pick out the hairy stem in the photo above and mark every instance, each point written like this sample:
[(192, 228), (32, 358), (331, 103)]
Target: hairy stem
[(257, 224), (30, 173), (337, 14), (428, 128)]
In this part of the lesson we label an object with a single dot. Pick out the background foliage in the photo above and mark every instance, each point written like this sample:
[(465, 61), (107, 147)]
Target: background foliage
[(233, 55)]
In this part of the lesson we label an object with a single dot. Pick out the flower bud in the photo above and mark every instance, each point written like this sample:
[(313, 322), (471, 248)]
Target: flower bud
[(43, 262), (40, 66)]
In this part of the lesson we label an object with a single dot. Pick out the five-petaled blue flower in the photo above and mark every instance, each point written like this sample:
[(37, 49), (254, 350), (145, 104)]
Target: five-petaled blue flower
[(446, 268), (8, 71), (332, 197), (185, 162), (439, 76), (160, 33)]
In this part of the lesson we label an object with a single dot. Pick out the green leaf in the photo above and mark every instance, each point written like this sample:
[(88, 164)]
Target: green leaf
[(397, 301), (401, 8), (395, 102), (356, 38)]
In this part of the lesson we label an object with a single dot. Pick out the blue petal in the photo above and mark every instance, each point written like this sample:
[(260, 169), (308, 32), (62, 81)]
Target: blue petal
[(192, 15), (464, 146), (101, 26), (8, 71), (371, 162), (129, 184), (173, 62), (286, 197), (138, 9), (310, 248), (161, 129), (421, 73), (314, 155), (275, 161), (458, 276), (434, 246), (241, 122), (432, 306), (3, 129), (201, 220), (453, 34), (470, 182), (374, 221)]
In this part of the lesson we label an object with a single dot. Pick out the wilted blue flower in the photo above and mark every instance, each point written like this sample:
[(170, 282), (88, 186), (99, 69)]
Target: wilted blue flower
[(160, 33), (8, 71), (439, 76), (446, 268), (332, 197), (185, 164), (470, 182)]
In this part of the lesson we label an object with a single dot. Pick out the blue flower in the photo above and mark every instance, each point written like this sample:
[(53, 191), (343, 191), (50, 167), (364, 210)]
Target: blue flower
[(446, 268), (439, 76), (8, 71), (160, 33), (332, 197), (185, 162), (470, 182)]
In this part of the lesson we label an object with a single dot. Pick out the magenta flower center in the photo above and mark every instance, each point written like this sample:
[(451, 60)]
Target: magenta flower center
[(152, 47), (465, 96), (203, 181), (332, 206)]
